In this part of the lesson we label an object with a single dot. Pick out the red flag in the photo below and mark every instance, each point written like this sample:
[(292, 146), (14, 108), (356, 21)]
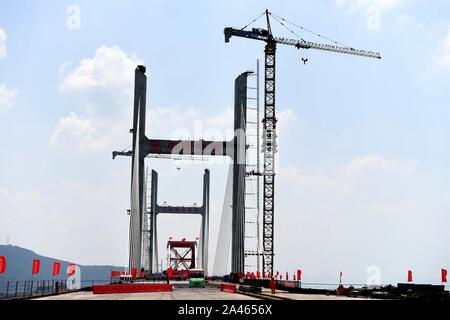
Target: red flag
[(170, 272), (258, 275), (117, 274), (71, 269), (443, 272), (299, 275), (287, 276), (410, 276), (294, 277), (36, 266), (134, 273), (56, 268), (2, 264)]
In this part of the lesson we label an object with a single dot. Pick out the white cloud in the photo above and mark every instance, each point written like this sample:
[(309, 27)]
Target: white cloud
[(79, 132), (444, 59), (446, 43), (304, 181), (63, 68), (375, 208), (105, 85), (364, 4), (3, 37), (109, 68), (7, 97), (378, 162), (354, 180), (404, 19), (286, 118)]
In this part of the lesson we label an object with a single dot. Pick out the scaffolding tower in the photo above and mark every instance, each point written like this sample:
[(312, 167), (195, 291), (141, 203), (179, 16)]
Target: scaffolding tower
[(253, 180)]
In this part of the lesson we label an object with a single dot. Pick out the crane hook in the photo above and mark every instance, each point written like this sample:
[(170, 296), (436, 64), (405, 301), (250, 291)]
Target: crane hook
[(304, 61)]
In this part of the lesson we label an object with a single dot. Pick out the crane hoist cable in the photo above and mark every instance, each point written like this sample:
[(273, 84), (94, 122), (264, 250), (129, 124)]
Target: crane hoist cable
[(289, 29), (308, 30)]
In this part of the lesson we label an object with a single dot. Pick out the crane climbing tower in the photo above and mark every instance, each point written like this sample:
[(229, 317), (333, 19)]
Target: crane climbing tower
[(270, 121)]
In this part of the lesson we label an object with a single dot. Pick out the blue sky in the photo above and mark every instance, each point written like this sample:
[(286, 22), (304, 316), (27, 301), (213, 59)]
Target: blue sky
[(363, 165)]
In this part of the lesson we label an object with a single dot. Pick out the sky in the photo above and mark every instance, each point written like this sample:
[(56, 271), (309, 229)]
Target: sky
[(362, 181)]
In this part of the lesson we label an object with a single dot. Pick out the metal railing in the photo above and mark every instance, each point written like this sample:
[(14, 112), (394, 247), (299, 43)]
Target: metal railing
[(15, 289)]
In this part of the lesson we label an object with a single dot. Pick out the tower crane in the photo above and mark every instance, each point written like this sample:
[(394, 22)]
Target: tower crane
[(270, 120)]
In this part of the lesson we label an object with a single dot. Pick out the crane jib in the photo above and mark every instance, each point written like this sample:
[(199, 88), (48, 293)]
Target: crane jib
[(263, 35)]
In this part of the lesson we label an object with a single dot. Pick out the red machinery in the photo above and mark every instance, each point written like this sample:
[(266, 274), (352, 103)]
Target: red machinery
[(181, 257)]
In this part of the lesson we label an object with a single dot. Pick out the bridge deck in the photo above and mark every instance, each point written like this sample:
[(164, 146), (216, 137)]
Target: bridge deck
[(176, 294), (182, 293)]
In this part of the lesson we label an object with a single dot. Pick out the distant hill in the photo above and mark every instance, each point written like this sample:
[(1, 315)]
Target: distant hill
[(19, 264)]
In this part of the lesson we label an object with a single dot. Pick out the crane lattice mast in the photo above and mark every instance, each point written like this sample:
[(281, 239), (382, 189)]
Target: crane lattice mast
[(270, 120)]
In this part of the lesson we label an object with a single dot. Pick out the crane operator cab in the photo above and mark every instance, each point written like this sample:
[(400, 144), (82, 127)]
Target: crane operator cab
[(197, 278)]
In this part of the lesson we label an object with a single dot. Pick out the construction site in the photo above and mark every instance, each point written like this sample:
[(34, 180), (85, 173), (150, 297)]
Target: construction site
[(245, 253), (243, 264)]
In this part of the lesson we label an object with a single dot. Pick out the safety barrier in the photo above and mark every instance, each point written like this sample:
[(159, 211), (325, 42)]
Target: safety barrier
[(15, 289), (228, 287), (131, 288)]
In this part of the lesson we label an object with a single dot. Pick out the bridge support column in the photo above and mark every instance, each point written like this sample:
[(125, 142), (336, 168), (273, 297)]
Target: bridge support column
[(239, 172), (142, 147), (157, 210)]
